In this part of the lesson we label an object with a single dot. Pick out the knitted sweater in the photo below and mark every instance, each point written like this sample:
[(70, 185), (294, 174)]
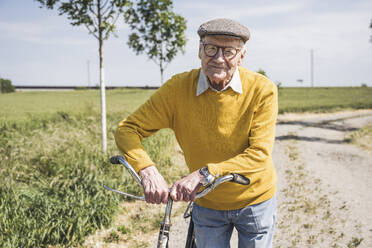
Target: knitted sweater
[(226, 131)]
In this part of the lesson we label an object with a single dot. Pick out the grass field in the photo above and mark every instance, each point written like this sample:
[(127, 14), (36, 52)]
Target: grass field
[(52, 169), (31, 104), (324, 99)]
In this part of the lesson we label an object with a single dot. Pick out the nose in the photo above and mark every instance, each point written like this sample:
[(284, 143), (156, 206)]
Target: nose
[(219, 55)]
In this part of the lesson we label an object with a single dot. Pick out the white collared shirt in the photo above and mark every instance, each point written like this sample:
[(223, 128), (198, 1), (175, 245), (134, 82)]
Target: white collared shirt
[(235, 83)]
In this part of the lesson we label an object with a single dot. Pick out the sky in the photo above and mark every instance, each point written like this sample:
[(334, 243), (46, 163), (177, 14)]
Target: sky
[(39, 47)]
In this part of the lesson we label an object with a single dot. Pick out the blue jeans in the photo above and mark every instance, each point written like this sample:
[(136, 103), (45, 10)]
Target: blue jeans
[(255, 225)]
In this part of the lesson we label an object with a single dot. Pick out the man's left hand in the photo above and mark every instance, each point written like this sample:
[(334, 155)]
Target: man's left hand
[(186, 188)]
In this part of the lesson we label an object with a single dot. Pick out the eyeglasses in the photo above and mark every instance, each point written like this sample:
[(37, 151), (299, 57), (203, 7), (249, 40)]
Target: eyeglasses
[(228, 52)]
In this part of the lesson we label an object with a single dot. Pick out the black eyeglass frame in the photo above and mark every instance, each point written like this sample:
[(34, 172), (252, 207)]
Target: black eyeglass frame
[(223, 50)]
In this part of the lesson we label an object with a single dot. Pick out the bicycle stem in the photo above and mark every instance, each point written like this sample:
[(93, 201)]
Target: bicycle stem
[(165, 225)]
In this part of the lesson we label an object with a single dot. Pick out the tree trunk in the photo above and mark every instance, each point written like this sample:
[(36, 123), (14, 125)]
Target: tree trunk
[(161, 64), (161, 73), (102, 80)]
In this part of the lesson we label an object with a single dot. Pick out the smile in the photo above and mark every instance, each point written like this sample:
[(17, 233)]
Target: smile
[(217, 67)]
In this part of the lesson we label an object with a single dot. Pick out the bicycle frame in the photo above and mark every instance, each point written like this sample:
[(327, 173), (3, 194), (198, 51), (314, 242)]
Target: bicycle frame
[(163, 238)]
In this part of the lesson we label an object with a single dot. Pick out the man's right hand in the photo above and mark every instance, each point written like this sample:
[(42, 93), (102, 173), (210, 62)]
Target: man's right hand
[(155, 188)]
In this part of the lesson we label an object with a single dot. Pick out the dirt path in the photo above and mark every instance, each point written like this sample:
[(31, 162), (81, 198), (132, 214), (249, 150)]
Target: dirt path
[(324, 185)]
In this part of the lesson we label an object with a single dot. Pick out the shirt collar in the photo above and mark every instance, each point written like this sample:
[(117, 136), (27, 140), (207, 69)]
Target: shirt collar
[(235, 83)]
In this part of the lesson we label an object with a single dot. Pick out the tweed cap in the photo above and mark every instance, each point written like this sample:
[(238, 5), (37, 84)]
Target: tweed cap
[(224, 27)]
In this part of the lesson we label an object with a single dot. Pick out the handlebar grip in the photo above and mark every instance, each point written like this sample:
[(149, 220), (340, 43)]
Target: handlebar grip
[(115, 159), (237, 178)]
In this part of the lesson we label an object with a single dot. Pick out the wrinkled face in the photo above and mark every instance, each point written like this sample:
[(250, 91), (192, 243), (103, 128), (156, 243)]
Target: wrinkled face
[(220, 67)]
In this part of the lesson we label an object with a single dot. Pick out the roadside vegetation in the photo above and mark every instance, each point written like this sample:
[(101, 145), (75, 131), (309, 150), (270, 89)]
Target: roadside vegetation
[(52, 168), (361, 137)]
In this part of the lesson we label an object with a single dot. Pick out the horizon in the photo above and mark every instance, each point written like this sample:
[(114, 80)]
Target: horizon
[(109, 87)]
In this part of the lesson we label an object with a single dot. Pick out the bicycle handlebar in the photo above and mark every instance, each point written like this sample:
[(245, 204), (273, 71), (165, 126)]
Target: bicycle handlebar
[(165, 224), (233, 177)]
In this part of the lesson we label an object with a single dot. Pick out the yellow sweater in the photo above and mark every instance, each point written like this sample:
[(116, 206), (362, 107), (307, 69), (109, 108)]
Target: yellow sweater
[(227, 131)]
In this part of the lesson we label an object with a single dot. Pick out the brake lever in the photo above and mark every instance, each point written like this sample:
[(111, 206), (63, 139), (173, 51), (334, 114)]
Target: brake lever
[(121, 160), (142, 198)]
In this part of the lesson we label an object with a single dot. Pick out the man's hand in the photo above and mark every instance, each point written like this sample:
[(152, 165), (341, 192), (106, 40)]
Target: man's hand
[(186, 188), (155, 188)]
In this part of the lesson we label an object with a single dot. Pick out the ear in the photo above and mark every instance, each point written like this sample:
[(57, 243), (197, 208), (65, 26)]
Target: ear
[(200, 50), (242, 56)]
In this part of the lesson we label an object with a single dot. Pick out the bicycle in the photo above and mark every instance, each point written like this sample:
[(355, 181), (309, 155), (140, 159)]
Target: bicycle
[(165, 225)]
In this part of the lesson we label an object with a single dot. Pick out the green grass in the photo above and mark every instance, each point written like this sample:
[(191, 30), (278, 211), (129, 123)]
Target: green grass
[(324, 99), (52, 168), (361, 137), (28, 104)]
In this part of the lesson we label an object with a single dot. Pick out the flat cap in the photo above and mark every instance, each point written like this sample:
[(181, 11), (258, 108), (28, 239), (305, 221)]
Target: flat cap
[(224, 27)]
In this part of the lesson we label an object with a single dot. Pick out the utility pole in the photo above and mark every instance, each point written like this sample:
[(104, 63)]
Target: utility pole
[(312, 67), (88, 62)]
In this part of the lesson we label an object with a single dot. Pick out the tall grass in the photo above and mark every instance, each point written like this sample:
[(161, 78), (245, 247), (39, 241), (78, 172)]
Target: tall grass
[(52, 171), (361, 137)]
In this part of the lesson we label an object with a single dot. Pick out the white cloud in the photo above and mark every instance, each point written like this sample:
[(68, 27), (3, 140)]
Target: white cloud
[(243, 9), (53, 33), (19, 29), (41, 34), (202, 11)]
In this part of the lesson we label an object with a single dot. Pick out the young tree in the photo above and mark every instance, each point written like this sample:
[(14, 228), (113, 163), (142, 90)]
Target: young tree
[(157, 31), (99, 17)]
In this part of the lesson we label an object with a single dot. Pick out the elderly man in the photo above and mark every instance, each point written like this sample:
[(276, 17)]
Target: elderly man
[(223, 116)]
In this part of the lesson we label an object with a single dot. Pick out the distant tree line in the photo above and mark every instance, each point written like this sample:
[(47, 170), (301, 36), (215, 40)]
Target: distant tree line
[(6, 86)]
